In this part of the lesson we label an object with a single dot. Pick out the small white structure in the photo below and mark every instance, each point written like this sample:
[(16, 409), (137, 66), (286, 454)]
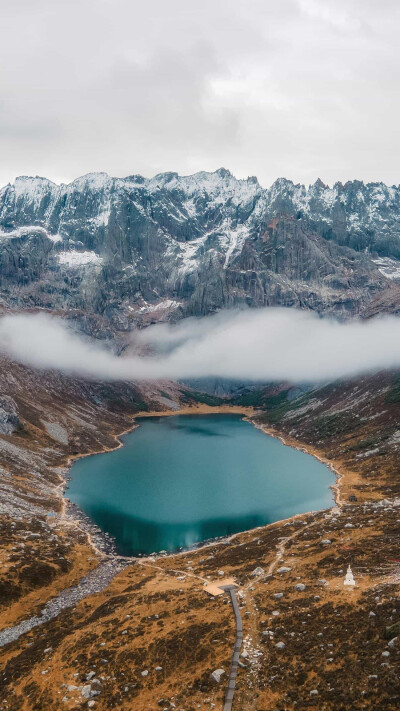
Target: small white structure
[(349, 579)]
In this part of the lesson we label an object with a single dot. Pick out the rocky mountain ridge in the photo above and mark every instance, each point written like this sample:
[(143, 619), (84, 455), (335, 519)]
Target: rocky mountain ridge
[(129, 251)]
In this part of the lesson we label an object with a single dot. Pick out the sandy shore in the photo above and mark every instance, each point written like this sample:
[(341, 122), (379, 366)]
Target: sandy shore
[(200, 409)]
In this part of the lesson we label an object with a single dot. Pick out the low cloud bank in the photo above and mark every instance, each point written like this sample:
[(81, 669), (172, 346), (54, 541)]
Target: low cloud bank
[(266, 344)]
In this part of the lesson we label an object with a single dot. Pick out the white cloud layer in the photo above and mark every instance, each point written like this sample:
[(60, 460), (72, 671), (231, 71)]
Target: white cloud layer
[(267, 345), (295, 88)]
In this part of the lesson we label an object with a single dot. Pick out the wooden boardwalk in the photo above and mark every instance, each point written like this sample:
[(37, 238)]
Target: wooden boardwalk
[(236, 649)]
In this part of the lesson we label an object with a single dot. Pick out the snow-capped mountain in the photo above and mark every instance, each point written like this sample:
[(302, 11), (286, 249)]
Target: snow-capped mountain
[(133, 250)]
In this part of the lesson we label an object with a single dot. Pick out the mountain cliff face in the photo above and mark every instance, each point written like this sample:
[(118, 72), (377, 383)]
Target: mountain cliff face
[(134, 250)]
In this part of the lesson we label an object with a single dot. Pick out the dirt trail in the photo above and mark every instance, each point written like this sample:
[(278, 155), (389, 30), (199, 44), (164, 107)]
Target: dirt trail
[(168, 571)]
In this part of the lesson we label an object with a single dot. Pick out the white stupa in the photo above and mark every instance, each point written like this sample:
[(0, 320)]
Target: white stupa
[(349, 579)]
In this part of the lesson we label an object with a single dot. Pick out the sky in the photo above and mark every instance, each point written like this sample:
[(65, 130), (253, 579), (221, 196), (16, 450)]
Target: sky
[(294, 88), (273, 344)]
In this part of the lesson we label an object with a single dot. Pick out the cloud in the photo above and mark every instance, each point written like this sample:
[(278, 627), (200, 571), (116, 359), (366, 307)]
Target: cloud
[(300, 88), (260, 345)]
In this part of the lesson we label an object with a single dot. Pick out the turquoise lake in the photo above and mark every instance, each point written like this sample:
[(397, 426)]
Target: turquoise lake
[(188, 478)]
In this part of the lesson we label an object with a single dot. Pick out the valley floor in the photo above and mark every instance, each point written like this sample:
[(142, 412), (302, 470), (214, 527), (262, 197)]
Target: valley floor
[(152, 637)]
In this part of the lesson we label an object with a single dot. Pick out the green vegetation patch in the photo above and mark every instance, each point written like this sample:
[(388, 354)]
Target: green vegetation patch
[(259, 398), (394, 393), (205, 399)]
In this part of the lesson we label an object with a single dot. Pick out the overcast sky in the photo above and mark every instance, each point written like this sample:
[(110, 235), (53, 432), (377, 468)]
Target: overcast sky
[(294, 88)]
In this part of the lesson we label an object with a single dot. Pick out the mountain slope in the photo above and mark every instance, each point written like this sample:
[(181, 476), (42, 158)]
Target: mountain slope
[(135, 250)]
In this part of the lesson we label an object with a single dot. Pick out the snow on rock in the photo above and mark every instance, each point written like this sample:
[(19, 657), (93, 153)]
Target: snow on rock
[(33, 189), (390, 268), (234, 242), (165, 304), (220, 186), (28, 231), (74, 258)]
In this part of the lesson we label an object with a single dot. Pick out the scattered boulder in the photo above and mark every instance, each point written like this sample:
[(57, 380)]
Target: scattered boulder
[(280, 645), (257, 571), (216, 675), (284, 569), (92, 689), (300, 587)]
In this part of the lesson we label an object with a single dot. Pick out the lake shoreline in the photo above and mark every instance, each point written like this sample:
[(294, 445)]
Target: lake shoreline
[(87, 525)]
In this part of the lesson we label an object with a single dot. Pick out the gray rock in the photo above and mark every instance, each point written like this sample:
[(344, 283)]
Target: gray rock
[(300, 587), (9, 419), (280, 645), (256, 572), (217, 674), (86, 691), (284, 569)]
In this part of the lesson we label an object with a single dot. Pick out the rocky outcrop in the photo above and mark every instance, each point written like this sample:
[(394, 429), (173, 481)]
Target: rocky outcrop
[(134, 250), (9, 419)]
